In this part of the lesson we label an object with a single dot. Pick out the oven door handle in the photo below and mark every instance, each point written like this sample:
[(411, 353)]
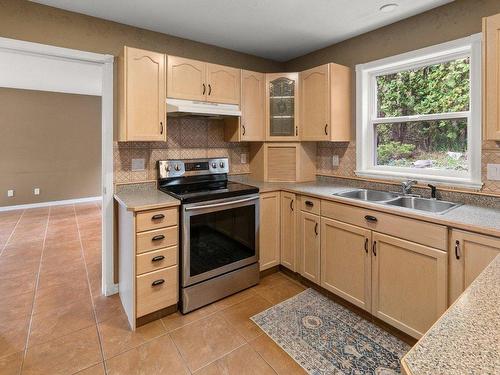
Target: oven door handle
[(220, 204)]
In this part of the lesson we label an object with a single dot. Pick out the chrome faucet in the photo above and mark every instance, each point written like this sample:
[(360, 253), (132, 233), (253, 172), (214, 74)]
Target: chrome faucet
[(407, 185)]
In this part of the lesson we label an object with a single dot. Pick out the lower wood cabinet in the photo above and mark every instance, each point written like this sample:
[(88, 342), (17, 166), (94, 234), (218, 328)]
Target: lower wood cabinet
[(408, 284), (309, 244), (469, 254), (289, 207), (346, 261), (269, 242)]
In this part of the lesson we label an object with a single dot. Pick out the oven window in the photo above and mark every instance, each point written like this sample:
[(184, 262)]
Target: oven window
[(221, 238)]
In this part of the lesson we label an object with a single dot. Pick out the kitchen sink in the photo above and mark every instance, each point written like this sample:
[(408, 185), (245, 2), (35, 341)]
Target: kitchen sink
[(368, 195), (423, 204)]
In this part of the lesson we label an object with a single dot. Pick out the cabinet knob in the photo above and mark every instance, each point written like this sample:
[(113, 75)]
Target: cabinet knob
[(371, 219), (457, 249), (291, 205), (366, 245), (326, 129), (157, 258), (204, 89), (244, 130), (157, 217), (157, 282), (209, 89), (158, 238), (309, 203), (316, 229), (374, 248), (161, 127)]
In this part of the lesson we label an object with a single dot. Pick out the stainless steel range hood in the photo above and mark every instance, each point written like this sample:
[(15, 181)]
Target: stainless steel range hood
[(181, 108)]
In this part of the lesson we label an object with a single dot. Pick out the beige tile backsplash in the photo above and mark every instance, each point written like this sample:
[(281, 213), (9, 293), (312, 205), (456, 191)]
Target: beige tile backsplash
[(347, 158), (188, 138)]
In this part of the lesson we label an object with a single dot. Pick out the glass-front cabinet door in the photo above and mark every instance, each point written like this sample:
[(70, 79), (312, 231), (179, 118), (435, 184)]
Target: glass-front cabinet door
[(282, 106)]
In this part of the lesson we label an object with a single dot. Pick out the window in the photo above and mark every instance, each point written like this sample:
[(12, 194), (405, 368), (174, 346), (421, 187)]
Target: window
[(419, 115)]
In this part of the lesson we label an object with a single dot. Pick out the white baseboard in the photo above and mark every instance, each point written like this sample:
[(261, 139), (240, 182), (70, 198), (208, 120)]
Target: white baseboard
[(52, 203), (112, 289)]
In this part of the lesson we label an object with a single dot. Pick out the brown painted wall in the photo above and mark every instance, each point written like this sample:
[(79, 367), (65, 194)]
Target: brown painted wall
[(51, 141), (448, 22), (21, 19)]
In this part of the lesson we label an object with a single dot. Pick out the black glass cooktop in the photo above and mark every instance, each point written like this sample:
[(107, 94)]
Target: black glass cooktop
[(191, 190)]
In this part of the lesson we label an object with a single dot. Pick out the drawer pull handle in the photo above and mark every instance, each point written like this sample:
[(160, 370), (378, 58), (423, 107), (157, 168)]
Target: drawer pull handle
[(309, 204), (374, 248), (457, 248), (366, 245), (158, 238), (371, 218), (157, 282), (157, 217), (316, 229), (157, 258)]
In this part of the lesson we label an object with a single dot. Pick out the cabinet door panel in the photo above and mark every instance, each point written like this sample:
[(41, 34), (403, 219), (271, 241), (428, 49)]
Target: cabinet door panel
[(469, 254), (346, 261), (288, 240), (269, 249), (145, 108), (315, 104), (252, 106), (491, 61), (310, 240), (186, 79), (408, 284), (223, 84)]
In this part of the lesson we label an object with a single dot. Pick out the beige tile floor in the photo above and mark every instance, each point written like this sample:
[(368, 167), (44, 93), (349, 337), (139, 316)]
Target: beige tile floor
[(54, 319)]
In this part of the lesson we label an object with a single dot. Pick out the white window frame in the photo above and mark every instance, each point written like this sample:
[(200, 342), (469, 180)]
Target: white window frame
[(366, 113)]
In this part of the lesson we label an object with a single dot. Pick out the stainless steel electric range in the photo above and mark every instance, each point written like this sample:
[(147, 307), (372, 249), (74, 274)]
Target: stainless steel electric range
[(219, 229)]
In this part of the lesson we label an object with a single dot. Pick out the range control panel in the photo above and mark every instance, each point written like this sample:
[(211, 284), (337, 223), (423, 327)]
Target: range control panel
[(192, 167)]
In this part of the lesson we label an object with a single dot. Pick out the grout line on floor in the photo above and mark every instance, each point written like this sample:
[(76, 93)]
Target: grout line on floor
[(180, 354), (36, 289), (12, 232), (99, 338)]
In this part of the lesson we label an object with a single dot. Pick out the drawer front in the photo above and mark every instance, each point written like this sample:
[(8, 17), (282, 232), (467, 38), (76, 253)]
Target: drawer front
[(157, 290), (429, 234), (156, 259), (155, 219), (157, 239), (311, 205)]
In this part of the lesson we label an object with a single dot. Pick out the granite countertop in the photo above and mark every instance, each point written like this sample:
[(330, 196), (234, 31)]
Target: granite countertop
[(468, 217), (465, 340), (140, 197)]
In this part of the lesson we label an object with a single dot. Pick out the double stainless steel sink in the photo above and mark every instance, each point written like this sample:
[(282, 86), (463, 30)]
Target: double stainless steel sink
[(398, 200)]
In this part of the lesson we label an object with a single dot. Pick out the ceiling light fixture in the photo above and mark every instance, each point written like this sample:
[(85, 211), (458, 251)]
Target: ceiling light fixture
[(386, 8)]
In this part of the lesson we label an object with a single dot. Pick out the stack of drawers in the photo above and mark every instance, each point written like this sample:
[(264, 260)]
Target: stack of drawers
[(157, 254)]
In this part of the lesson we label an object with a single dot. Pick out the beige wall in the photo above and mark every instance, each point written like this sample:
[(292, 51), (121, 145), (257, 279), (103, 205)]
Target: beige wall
[(51, 141), (22, 19), (452, 21)]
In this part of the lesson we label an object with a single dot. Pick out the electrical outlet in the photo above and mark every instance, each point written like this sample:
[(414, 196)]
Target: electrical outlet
[(10, 193), (36, 191), (335, 160), (138, 164), (493, 172), (243, 158)]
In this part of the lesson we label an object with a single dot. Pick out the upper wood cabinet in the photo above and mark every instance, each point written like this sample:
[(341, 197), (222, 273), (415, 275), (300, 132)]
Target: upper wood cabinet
[(469, 254), (269, 241), (142, 95), (325, 103), (251, 126), (223, 84), (346, 261), (289, 209), (491, 74), (197, 80), (282, 106), (408, 283), (186, 79)]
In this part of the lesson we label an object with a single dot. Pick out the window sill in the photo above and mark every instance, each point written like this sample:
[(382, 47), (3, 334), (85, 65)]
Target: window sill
[(401, 176)]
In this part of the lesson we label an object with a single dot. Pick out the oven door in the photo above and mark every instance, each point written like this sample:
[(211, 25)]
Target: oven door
[(218, 237)]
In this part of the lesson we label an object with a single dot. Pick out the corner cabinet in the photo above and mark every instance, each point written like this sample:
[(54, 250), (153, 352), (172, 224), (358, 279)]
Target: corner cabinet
[(325, 103), (491, 74), (269, 233), (282, 106), (469, 254), (289, 208), (196, 80), (142, 95)]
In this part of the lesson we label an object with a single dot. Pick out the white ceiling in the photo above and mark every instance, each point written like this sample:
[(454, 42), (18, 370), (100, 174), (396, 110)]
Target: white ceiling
[(275, 29)]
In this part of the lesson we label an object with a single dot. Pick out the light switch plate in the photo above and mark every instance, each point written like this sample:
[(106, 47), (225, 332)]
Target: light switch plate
[(36, 191), (10, 193), (138, 164), (243, 158), (493, 172), (335, 160)]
